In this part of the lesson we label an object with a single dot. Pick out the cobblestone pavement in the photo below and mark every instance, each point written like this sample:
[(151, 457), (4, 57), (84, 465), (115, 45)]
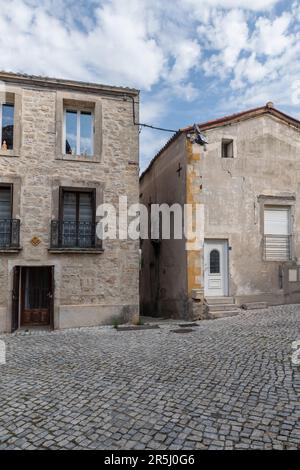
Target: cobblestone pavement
[(228, 384)]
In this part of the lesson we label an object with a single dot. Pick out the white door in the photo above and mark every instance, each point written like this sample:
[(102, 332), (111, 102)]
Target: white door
[(216, 268)]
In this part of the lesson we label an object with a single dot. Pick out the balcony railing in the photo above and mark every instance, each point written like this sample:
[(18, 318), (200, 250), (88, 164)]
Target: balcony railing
[(9, 233), (72, 234)]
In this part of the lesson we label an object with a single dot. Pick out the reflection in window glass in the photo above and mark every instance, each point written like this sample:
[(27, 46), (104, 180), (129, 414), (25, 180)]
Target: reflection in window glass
[(71, 132), (7, 127), (86, 130), (79, 133)]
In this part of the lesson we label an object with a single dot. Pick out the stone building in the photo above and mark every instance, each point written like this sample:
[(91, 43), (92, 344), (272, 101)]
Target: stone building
[(66, 147), (246, 180)]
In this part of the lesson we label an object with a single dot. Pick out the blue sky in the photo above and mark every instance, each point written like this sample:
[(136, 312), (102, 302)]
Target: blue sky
[(193, 60)]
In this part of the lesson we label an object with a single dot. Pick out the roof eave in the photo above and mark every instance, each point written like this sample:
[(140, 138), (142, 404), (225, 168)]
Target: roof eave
[(58, 83), (245, 115)]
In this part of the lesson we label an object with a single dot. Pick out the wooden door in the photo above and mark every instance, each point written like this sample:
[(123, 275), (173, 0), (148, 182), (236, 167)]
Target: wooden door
[(15, 299), (36, 293), (51, 295)]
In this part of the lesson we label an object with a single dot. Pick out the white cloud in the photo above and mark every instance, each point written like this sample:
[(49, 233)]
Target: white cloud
[(249, 54), (253, 5), (187, 55), (227, 34), (117, 50), (201, 8), (248, 70), (138, 42), (153, 109), (151, 143), (271, 36), (237, 51)]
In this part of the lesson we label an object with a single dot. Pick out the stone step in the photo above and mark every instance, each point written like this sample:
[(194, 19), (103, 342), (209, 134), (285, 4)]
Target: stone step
[(219, 300), (221, 307), (224, 314), (254, 305)]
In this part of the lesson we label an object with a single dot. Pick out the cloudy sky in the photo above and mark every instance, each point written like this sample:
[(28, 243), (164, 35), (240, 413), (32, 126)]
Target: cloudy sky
[(193, 60)]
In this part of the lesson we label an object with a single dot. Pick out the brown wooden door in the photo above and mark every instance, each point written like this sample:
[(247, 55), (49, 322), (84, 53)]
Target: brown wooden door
[(36, 285), (51, 295), (15, 299)]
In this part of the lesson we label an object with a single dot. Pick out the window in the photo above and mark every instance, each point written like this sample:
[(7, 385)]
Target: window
[(227, 148), (294, 275), (79, 132), (6, 126), (214, 258), (5, 215), (78, 219), (277, 233), (5, 202), (77, 206), (76, 227)]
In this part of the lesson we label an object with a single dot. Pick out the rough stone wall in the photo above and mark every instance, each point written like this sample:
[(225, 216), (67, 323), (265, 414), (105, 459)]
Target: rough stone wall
[(266, 163), (194, 187), (233, 192), (108, 283), (163, 281)]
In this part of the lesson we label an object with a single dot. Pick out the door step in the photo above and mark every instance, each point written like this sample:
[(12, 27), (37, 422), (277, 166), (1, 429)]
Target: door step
[(222, 307), (224, 314), (254, 305), (219, 300)]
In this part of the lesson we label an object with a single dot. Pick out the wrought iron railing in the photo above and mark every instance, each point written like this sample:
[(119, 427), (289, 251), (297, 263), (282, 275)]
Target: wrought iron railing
[(9, 233), (72, 234)]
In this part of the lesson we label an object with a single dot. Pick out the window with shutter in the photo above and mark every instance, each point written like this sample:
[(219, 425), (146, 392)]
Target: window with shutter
[(5, 203), (77, 218), (5, 216), (277, 233)]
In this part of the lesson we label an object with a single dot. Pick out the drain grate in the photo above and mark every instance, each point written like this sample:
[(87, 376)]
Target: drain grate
[(182, 330), (188, 325)]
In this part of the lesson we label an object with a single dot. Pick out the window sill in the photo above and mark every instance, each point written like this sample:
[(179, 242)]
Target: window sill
[(79, 158), (84, 251), (277, 260), (10, 250), (9, 153)]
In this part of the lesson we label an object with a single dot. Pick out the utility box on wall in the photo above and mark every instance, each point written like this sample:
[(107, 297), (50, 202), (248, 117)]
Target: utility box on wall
[(291, 282)]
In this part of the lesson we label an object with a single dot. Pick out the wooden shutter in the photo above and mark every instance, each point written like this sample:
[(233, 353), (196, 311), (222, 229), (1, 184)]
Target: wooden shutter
[(277, 233), (69, 206), (85, 207), (5, 203)]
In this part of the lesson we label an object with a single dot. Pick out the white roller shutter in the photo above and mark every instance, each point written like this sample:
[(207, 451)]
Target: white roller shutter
[(277, 229)]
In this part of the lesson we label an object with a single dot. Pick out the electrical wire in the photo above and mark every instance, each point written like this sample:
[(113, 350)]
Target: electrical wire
[(147, 125)]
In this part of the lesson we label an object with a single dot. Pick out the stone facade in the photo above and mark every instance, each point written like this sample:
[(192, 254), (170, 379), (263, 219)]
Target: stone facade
[(233, 193), (92, 287)]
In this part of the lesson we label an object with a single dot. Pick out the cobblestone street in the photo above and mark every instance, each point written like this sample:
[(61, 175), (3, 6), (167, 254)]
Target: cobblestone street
[(229, 384)]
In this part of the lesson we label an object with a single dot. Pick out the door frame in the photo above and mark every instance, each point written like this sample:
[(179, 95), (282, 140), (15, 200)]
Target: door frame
[(225, 264), (15, 299), (17, 295)]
